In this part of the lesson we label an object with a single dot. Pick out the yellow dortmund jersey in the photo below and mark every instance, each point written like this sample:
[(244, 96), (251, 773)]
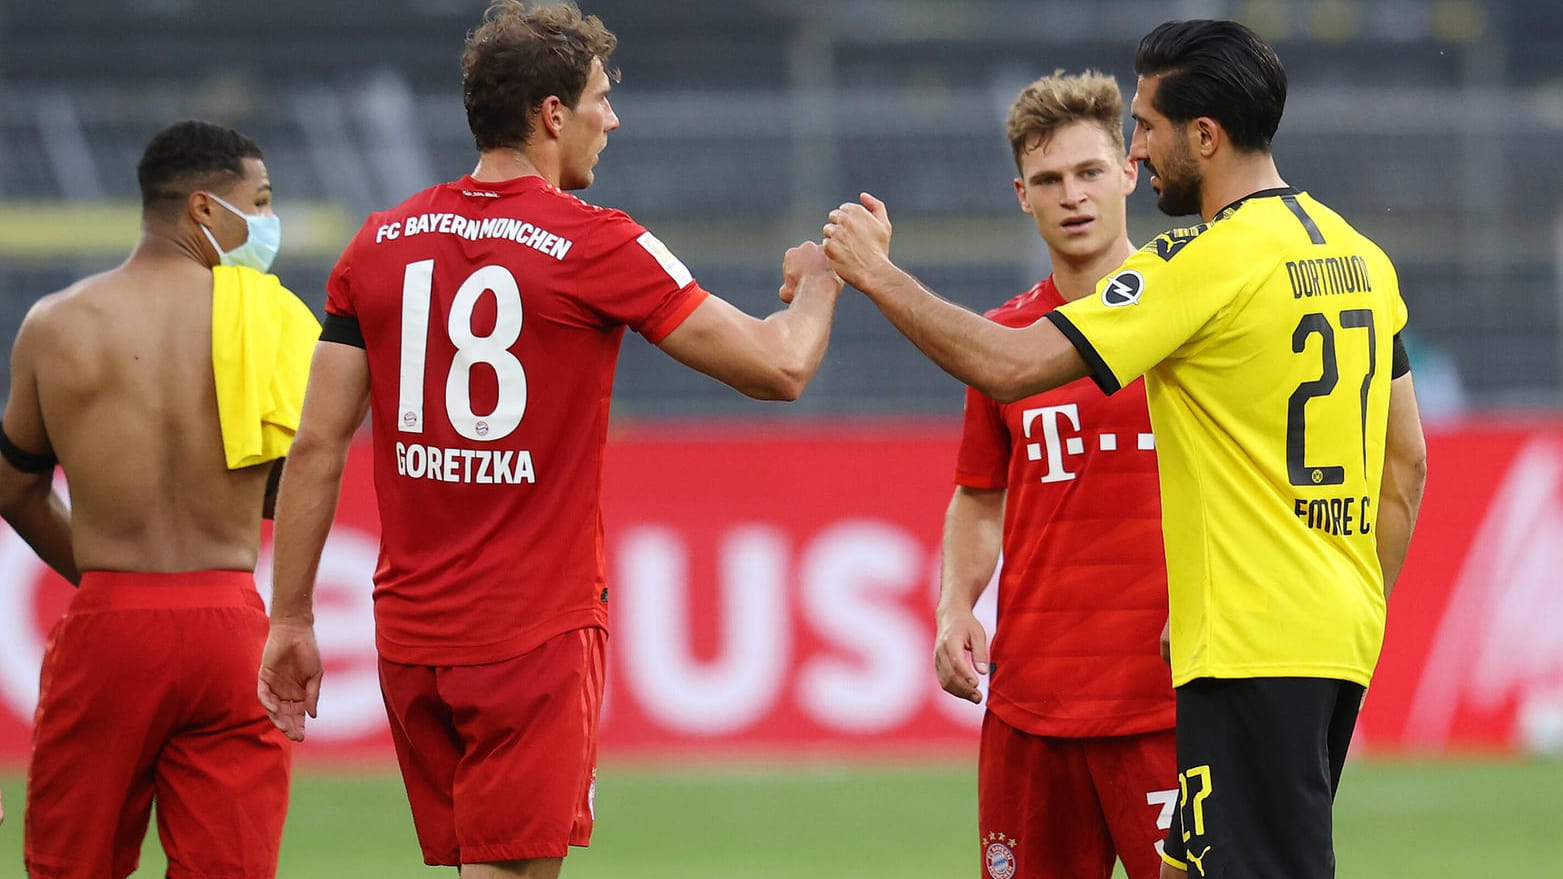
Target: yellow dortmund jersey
[(1265, 338)]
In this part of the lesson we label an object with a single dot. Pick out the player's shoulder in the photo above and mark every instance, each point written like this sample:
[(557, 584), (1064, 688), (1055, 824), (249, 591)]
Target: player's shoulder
[(1167, 246), (1169, 256), (1327, 216), (60, 304), (593, 228), (1024, 309), (44, 315), (1206, 250), (417, 203), (63, 315), (596, 217), (431, 198)]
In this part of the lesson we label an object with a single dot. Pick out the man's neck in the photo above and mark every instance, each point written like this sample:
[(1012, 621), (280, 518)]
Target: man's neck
[(496, 166), (161, 244), (1242, 176), (1076, 279)]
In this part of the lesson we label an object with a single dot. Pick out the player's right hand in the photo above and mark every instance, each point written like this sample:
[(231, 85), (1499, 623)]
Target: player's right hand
[(857, 239), (960, 654), (290, 673)]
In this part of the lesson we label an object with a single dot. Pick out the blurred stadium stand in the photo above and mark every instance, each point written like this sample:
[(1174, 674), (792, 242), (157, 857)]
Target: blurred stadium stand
[(1432, 125)]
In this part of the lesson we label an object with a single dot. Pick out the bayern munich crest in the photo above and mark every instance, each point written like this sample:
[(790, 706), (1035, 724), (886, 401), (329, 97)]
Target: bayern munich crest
[(998, 855)]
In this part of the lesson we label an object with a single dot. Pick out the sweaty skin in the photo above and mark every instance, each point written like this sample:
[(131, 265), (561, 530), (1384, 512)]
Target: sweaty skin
[(115, 374)]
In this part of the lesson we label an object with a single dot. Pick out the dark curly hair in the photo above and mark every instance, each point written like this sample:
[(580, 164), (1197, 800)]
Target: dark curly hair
[(521, 55), (189, 156)]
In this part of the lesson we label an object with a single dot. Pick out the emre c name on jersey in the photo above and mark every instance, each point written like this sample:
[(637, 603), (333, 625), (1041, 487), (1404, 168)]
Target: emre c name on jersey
[(478, 466), (1329, 276), (1335, 515), (519, 231)]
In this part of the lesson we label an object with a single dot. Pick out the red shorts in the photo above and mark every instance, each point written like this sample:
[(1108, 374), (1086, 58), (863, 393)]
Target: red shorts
[(1057, 808), (500, 760), (148, 692)]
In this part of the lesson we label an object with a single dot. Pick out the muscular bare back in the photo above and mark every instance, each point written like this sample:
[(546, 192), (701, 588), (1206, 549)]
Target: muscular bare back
[(122, 365)]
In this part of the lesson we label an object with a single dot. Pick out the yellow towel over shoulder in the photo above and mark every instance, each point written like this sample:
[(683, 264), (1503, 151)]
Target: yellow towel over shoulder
[(263, 337)]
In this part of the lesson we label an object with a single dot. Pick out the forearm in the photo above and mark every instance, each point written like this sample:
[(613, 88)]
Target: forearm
[(973, 533), (963, 577), (1404, 478), (41, 518), (800, 333), (306, 507), (1400, 500), (1002, 362)]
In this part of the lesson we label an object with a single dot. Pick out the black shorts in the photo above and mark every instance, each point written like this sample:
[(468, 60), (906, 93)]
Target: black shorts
[(1259, 761)]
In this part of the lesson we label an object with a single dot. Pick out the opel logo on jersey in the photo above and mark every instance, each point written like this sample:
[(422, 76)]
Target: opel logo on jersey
[(1123, 288)]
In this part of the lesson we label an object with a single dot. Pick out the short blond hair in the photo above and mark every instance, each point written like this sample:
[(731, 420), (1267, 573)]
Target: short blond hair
[(1054, 101)]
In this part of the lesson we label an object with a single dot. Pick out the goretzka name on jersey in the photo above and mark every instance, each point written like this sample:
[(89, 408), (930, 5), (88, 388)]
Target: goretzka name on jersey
[(477, 466)]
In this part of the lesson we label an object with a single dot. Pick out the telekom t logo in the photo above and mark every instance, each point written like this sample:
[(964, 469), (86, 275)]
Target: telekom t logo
[(1057, 445)]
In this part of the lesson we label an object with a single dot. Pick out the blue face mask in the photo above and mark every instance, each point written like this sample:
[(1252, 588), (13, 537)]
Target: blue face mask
[(258, 249)]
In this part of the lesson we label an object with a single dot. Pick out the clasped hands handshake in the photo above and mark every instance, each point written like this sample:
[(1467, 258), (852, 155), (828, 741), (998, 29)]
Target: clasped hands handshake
[(856, 243)]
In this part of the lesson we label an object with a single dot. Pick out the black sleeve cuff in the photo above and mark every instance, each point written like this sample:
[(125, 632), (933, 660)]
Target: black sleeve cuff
[(1399, 362), (25, 461), (1100, 373), (342, 329)]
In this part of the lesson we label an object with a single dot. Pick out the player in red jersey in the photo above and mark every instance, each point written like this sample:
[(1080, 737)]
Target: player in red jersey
[(1078, 762), (480, 322), (145, 690)]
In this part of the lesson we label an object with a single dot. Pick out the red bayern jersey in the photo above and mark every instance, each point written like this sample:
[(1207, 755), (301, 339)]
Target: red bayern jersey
[(1083, 587), (492, 315)]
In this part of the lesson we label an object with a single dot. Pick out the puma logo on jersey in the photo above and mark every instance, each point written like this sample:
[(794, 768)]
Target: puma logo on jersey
[(1123, 289), (1167, 244), (1198, 860)]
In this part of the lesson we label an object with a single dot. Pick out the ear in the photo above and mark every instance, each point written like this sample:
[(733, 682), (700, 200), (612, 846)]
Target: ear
[(1208, 136), (1020, 195), (550, 116), (200, 207)]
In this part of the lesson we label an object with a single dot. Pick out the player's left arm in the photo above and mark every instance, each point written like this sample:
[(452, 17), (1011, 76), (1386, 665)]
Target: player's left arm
[(27, 497), (334, 406), (1005, 363), (1405, 476)]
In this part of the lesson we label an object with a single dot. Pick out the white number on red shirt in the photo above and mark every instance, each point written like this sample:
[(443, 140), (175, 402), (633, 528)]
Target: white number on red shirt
[(492, 350)]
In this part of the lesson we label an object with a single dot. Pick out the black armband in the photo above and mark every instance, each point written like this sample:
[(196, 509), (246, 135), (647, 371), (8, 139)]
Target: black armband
[(342, 329), (274, 478), (25, 461), (1399, 362)]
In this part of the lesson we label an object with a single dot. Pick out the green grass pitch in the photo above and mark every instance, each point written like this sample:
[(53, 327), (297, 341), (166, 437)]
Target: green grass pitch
[(1393, 819)]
